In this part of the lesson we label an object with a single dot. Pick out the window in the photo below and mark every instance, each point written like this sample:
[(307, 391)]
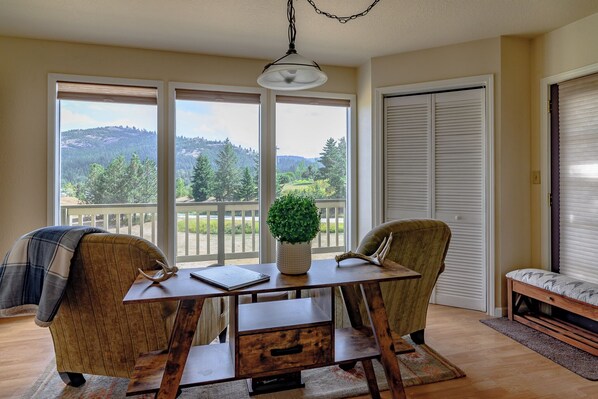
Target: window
[(217, 169), (200, 189), (311, 157), (108, 157), (574, 182)]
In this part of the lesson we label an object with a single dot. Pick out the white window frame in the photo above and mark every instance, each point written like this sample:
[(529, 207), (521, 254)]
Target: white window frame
[(378, 160), (53, 210), (264, 155), (545, 156), (351, 205), (166, 132)]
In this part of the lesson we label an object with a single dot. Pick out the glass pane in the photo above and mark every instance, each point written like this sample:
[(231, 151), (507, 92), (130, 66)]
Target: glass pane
[(217, 166), (311, 157), (108, 166)]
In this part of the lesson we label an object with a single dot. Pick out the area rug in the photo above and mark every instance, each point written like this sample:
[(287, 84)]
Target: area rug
[(421, 367), (576, 360)]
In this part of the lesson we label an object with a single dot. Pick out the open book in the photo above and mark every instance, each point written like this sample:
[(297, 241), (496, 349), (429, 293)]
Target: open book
[(229, 277)]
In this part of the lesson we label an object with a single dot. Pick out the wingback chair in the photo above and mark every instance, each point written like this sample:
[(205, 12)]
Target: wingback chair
[(94, 332), (420, 245)]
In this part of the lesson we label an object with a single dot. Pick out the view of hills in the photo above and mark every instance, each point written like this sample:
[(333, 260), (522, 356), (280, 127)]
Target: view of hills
[(102, 144)]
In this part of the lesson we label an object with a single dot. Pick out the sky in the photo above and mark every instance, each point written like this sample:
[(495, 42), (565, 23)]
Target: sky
[(301, 129)]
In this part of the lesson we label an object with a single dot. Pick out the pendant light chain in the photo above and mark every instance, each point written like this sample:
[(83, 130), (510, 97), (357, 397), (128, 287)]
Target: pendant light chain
[(292, 29), (342, 20)]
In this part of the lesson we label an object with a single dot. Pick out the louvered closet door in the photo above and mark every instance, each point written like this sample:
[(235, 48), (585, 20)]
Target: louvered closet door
[(459, 131), (434, 168), (407, 157)]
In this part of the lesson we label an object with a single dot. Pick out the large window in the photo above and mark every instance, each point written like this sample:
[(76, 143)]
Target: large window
[(108, 157), (574, 159), (199, 189), (311, 157), (217, 169)]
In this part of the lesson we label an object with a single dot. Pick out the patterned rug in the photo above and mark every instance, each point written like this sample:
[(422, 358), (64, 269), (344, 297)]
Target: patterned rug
[(421, 367), (576, 360)]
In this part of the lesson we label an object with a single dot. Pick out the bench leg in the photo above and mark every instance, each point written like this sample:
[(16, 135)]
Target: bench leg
[(510, 298)]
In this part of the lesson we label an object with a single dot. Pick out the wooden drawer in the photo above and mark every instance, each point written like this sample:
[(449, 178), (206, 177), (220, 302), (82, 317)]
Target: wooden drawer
[(282, 350)]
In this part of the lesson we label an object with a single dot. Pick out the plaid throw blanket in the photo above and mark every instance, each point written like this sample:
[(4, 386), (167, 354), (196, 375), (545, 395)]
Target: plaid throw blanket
[(35, 271)]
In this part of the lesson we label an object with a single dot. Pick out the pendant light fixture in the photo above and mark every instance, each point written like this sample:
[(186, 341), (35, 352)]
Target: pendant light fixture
[(292, 71)]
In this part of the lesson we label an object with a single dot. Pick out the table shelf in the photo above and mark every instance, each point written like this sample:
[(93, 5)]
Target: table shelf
[(206, 364), (278, 315), (351, 344)]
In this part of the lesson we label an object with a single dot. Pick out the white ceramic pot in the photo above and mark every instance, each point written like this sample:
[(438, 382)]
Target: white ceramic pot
[(293, 258)]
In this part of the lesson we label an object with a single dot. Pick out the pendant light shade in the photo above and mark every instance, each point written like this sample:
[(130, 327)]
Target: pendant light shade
[(292, 72)]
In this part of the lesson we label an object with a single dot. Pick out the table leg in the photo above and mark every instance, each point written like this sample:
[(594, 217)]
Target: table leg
[(181, 338), (370, 376), (379, 321)]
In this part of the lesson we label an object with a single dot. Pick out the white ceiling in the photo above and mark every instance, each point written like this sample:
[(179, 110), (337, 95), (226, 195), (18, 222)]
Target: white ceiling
[(258, 28)]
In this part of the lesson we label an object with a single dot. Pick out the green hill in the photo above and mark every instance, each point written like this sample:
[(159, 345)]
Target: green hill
[(81, 148)]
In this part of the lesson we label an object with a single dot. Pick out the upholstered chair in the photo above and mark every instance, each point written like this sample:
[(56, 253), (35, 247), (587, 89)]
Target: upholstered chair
[(420, 245), (94, 332)]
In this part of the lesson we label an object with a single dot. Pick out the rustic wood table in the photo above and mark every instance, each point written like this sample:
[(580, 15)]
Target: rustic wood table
[(268, 338)]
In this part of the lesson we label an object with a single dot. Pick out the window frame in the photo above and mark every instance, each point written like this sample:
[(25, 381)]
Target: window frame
[(351, 206), (263, 155), (546, 158), (166, 132), (53, 209)]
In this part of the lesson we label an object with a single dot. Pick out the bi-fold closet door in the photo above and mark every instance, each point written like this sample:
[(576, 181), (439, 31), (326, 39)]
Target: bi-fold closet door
[(434, 167)]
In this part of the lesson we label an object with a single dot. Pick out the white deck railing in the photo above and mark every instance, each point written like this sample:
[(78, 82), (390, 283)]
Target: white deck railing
[(206, 231)]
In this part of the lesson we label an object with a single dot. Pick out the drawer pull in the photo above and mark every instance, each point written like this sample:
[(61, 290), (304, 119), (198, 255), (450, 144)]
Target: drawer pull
[(550, 298), (287, 351)]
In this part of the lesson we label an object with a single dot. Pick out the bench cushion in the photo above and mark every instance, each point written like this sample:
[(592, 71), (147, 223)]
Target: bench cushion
[(582, 291)]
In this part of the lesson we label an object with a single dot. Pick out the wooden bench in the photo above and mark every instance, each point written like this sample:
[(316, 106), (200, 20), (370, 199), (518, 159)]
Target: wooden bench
[(579, 297)]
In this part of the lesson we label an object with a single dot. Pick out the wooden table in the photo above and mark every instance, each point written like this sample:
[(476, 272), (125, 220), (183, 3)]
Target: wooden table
[(272, 337)]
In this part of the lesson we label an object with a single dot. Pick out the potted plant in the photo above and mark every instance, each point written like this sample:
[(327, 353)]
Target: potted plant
[(294, 220)]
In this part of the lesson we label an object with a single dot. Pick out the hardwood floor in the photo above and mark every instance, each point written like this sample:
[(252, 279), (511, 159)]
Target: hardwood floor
[(496, 366)]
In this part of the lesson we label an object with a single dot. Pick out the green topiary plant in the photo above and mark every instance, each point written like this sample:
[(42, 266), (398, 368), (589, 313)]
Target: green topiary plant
[(294, 218)]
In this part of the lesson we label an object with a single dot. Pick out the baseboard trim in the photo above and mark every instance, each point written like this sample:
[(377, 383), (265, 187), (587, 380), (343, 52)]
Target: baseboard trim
[(499, 312)]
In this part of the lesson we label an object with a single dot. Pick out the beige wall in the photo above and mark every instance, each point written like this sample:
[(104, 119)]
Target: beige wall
[(23, 109), (570, 47), (513, 179), (364, 150), (508, 60)]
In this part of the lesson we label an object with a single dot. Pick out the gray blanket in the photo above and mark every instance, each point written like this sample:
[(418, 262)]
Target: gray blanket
[(34, 273)]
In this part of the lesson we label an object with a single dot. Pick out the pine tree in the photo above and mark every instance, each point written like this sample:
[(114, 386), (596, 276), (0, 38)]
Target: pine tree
[(121, 183), (227, 173), (334, 160), (202, 181), (181, 189), (247, 189)]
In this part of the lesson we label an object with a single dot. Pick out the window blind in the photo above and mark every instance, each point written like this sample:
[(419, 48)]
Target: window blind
[(217, 96), (578, 185), (106, 93), (330, 102)]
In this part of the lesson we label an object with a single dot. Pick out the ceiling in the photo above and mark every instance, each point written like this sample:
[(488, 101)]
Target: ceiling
[(258, 28)]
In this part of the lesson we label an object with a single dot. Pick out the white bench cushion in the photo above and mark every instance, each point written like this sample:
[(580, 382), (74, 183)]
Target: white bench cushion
[(582, 291)]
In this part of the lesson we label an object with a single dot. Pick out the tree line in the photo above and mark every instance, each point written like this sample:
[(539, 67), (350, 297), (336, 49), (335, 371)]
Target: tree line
[(136, 181)]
